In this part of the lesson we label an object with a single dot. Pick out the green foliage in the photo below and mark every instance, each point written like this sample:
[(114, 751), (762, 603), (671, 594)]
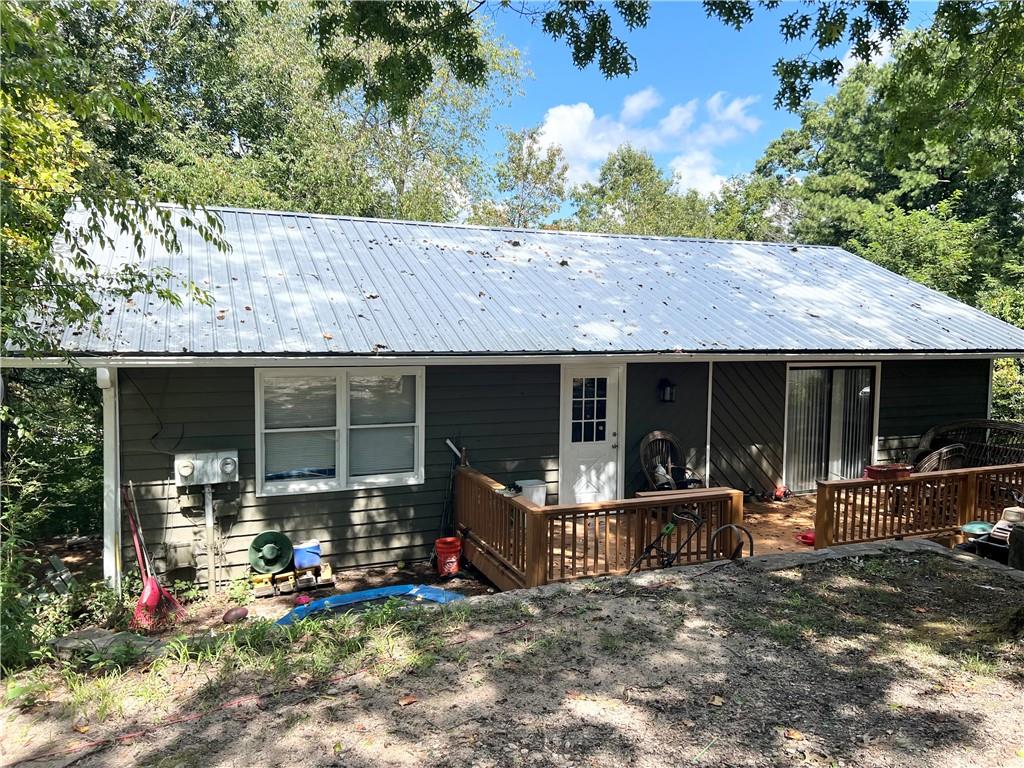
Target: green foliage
[(240, 591), (16, 617), (187, 591), (958, 85), (250, 125), (52, 470), (391, 50), (929, 246), (33, 616), (58, 110), (1008, 390), (861, 24), (633, 196), (530, 183), (630, 195)]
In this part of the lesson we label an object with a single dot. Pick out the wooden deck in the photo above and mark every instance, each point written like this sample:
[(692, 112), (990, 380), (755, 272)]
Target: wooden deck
[(516, 544), (924, 504)]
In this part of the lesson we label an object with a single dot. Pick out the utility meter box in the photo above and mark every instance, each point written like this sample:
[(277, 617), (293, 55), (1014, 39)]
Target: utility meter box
[(205, 468)]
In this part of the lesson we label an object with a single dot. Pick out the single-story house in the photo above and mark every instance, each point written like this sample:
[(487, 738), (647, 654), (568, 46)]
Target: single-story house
[(338, 354)]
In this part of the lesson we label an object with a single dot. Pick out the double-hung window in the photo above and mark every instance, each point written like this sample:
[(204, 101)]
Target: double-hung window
[(330, 429)]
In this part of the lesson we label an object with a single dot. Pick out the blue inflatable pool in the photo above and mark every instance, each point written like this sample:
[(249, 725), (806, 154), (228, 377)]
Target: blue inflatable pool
[(411, 592)]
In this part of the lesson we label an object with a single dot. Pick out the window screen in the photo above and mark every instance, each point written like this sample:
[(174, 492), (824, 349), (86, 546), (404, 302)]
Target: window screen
[(370, 420), (382, 424)]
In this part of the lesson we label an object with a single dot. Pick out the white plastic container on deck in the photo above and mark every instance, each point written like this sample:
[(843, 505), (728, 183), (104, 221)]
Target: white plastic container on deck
[(535, 491)]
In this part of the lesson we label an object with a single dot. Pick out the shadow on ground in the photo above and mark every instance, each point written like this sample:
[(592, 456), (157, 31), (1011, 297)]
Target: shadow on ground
[(903, 659)]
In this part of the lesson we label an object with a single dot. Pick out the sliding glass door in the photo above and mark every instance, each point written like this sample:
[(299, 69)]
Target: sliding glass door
[(829, 424)]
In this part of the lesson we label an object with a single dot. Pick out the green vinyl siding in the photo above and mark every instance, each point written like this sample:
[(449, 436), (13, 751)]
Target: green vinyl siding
[(686, 417), (748, 404), (507, 417), (917, 395)]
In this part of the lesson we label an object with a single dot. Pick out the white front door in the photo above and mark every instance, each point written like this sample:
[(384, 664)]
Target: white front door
[(589, 460)]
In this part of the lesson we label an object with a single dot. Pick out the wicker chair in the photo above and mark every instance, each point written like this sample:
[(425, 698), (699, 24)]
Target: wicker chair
[(986, 442), (949, 457), (664, 448)]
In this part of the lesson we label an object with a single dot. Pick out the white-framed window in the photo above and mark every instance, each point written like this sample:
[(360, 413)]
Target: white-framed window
[(334, 429)]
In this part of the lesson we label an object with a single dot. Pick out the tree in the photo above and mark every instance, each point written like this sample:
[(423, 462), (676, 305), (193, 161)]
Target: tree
[(853, 185), (46, 162), (631, 195), (416, 35), (929, 246), (752, 207), (253, 126), (408, 41), (530, 182)]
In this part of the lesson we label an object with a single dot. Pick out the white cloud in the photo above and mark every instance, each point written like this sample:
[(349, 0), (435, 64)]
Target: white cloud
[(734, 113), (637, 105), (696, 170), (587, 138), (678, 119)]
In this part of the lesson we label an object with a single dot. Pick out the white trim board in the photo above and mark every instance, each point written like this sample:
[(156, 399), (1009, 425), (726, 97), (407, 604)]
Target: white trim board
[(106, 380), (707, 441), (353, 361), (991, 373)]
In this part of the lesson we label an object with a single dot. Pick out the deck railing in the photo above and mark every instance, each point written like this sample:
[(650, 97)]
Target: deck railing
[(924, 504), (517, 544)]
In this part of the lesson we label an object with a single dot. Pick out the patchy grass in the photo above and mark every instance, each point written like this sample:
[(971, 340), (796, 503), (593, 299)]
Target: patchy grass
[(884, 661)]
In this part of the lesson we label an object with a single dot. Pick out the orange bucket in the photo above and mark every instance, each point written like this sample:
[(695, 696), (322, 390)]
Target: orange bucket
[(449, 553)]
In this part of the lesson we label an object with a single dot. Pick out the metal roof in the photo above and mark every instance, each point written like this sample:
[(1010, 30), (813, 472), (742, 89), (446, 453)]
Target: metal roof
[(295, 283)]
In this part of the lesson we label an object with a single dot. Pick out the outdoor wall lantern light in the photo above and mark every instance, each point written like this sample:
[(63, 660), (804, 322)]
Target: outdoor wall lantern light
[(666, 391)]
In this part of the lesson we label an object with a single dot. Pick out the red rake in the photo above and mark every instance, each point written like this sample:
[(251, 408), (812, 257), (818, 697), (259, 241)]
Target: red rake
[(156, 605)]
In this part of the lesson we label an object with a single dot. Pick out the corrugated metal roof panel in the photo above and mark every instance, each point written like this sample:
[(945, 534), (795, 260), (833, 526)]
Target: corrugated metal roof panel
[(296, 283)]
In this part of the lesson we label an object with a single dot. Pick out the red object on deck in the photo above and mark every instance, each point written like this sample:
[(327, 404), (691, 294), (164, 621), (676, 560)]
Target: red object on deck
[(888, 471), (449, 553), (807, 537)]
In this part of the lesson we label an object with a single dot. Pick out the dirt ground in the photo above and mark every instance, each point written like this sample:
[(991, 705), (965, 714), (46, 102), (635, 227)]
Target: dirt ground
[(776, 524), (895, 658)]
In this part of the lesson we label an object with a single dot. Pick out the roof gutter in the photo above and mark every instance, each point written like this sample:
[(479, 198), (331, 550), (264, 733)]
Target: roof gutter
[(310, 361)]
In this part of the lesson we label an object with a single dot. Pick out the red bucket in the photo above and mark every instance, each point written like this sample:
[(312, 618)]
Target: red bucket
[(449, 553)]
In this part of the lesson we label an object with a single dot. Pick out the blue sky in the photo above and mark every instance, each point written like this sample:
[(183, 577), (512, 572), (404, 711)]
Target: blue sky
[(700, 102)]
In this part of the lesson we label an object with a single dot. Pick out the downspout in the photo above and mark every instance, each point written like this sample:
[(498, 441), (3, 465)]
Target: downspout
[(106, 380)]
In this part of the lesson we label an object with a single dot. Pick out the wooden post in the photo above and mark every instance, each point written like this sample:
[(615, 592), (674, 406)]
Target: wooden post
[(968, 499), (824, 520), (536, 548), (735, 516)]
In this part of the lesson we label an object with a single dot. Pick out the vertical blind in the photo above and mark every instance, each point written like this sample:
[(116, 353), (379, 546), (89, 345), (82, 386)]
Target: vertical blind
[(807, 427), (829, 426), (858, 421)]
